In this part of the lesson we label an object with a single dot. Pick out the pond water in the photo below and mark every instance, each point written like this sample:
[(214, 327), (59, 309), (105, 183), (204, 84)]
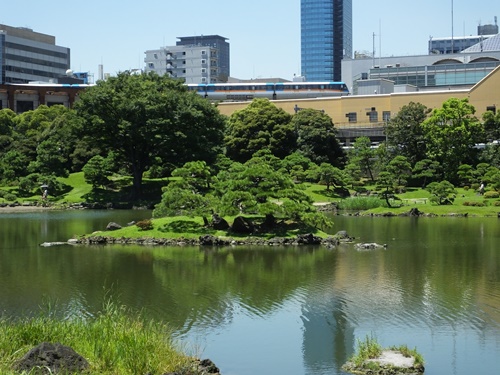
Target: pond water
[(277, 310)]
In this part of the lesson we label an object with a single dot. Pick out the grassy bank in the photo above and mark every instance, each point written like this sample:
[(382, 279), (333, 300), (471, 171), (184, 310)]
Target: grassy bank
[(115, 342), (193, 227), (467, 201)]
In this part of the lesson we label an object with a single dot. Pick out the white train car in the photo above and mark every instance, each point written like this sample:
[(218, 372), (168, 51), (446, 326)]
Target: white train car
[(272, 91)]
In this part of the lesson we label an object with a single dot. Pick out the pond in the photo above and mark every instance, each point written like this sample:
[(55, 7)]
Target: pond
[(277, 310)]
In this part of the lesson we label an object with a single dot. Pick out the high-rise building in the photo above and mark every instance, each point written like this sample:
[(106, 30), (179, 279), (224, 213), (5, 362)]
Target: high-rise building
[(326, 38), (200, 59), (27, 56)]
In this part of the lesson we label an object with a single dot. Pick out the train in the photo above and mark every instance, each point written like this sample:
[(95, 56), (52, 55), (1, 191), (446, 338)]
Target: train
[(272, 91)]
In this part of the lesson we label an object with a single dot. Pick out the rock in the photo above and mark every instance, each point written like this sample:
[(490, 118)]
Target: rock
[(390, 362), (219, 223), (308, 239), (343, 236), (209, 240), (113, 226), (369, 246), (48, 358), (242, 225), (48, 244)]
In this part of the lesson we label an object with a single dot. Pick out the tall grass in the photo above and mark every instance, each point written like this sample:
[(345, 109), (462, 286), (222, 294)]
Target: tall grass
[(114, 342), (360, 203)]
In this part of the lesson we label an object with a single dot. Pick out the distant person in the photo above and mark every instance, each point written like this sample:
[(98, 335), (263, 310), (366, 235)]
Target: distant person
[(481, 188)]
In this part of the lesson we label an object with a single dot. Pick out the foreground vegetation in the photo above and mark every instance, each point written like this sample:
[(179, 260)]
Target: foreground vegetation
[(368, 350), (114, 342)]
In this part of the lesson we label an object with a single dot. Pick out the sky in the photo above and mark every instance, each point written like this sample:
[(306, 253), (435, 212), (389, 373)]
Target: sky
[(264, 35)]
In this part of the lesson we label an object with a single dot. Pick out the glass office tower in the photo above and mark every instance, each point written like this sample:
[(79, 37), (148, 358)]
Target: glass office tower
[(326, 37)]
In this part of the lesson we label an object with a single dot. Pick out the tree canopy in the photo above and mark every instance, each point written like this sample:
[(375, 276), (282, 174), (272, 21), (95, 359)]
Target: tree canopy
[(145, 116), (451, 133), (261, 125)]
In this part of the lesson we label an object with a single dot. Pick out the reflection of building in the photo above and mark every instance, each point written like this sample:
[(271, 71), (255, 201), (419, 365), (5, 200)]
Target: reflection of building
[(326, 38), (27, 56), (197, 59)]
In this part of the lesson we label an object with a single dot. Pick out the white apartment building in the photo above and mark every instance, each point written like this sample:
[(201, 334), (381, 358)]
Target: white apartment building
[(193, 63)]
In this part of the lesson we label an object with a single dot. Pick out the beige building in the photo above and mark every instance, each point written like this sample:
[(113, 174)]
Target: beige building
[(365, 112)]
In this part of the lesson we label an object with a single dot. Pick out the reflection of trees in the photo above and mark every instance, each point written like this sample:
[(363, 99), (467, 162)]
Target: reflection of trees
[(207, 284)]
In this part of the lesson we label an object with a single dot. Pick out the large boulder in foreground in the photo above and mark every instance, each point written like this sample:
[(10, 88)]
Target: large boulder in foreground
[(48, 358)]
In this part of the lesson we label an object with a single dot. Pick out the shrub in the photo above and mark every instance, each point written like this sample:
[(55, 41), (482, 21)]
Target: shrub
[(360, 203), (475, 204), (145, 224), (496, 203), (491, 194)]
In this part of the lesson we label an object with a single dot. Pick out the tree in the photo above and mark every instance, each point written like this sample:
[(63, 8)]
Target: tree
[(452, 132), (425, 170), (97, 171), (386, 185), (405, 134), (257, 188), (261, 125), (317, 137), (6, 128), (363, 155), (144, 116), (331, 175), (442, 192), (297, 166), (491, 123), (400, 168), (197, 173)]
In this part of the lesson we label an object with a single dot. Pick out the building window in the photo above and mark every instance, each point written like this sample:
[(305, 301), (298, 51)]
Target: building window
[(203, 61), (373, 115), (352, 116), (151, 65), (492, 108), (203, 52), (203, 70), (155, 56), (386, 116)]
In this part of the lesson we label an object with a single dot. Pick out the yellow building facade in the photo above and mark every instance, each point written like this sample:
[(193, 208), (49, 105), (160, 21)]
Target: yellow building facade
[(374, 110)]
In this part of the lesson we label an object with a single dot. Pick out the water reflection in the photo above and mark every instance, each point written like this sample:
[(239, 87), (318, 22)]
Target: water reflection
[(293, 310)]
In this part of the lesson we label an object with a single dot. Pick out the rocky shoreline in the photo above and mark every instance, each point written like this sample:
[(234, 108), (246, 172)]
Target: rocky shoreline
[(210, 240)]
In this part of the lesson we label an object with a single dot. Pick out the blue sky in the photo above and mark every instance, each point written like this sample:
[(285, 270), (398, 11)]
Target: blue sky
[(264, 34)]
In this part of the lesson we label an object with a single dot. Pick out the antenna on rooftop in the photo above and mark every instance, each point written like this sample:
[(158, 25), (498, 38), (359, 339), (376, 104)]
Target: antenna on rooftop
[(452, 41)]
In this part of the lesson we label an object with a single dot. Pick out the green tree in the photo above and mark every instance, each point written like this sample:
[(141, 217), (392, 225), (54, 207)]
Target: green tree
[(331, 176), (452, 132), (425, 170), (261, 125), (97, 171), (182, 198), (405, 134), (400, 168), (386, 185), (196, 173), (297, 166), (363, 155), (317, 137), (442, 192), (257, 188), (491, 123), (141, 117), (6, 129)]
